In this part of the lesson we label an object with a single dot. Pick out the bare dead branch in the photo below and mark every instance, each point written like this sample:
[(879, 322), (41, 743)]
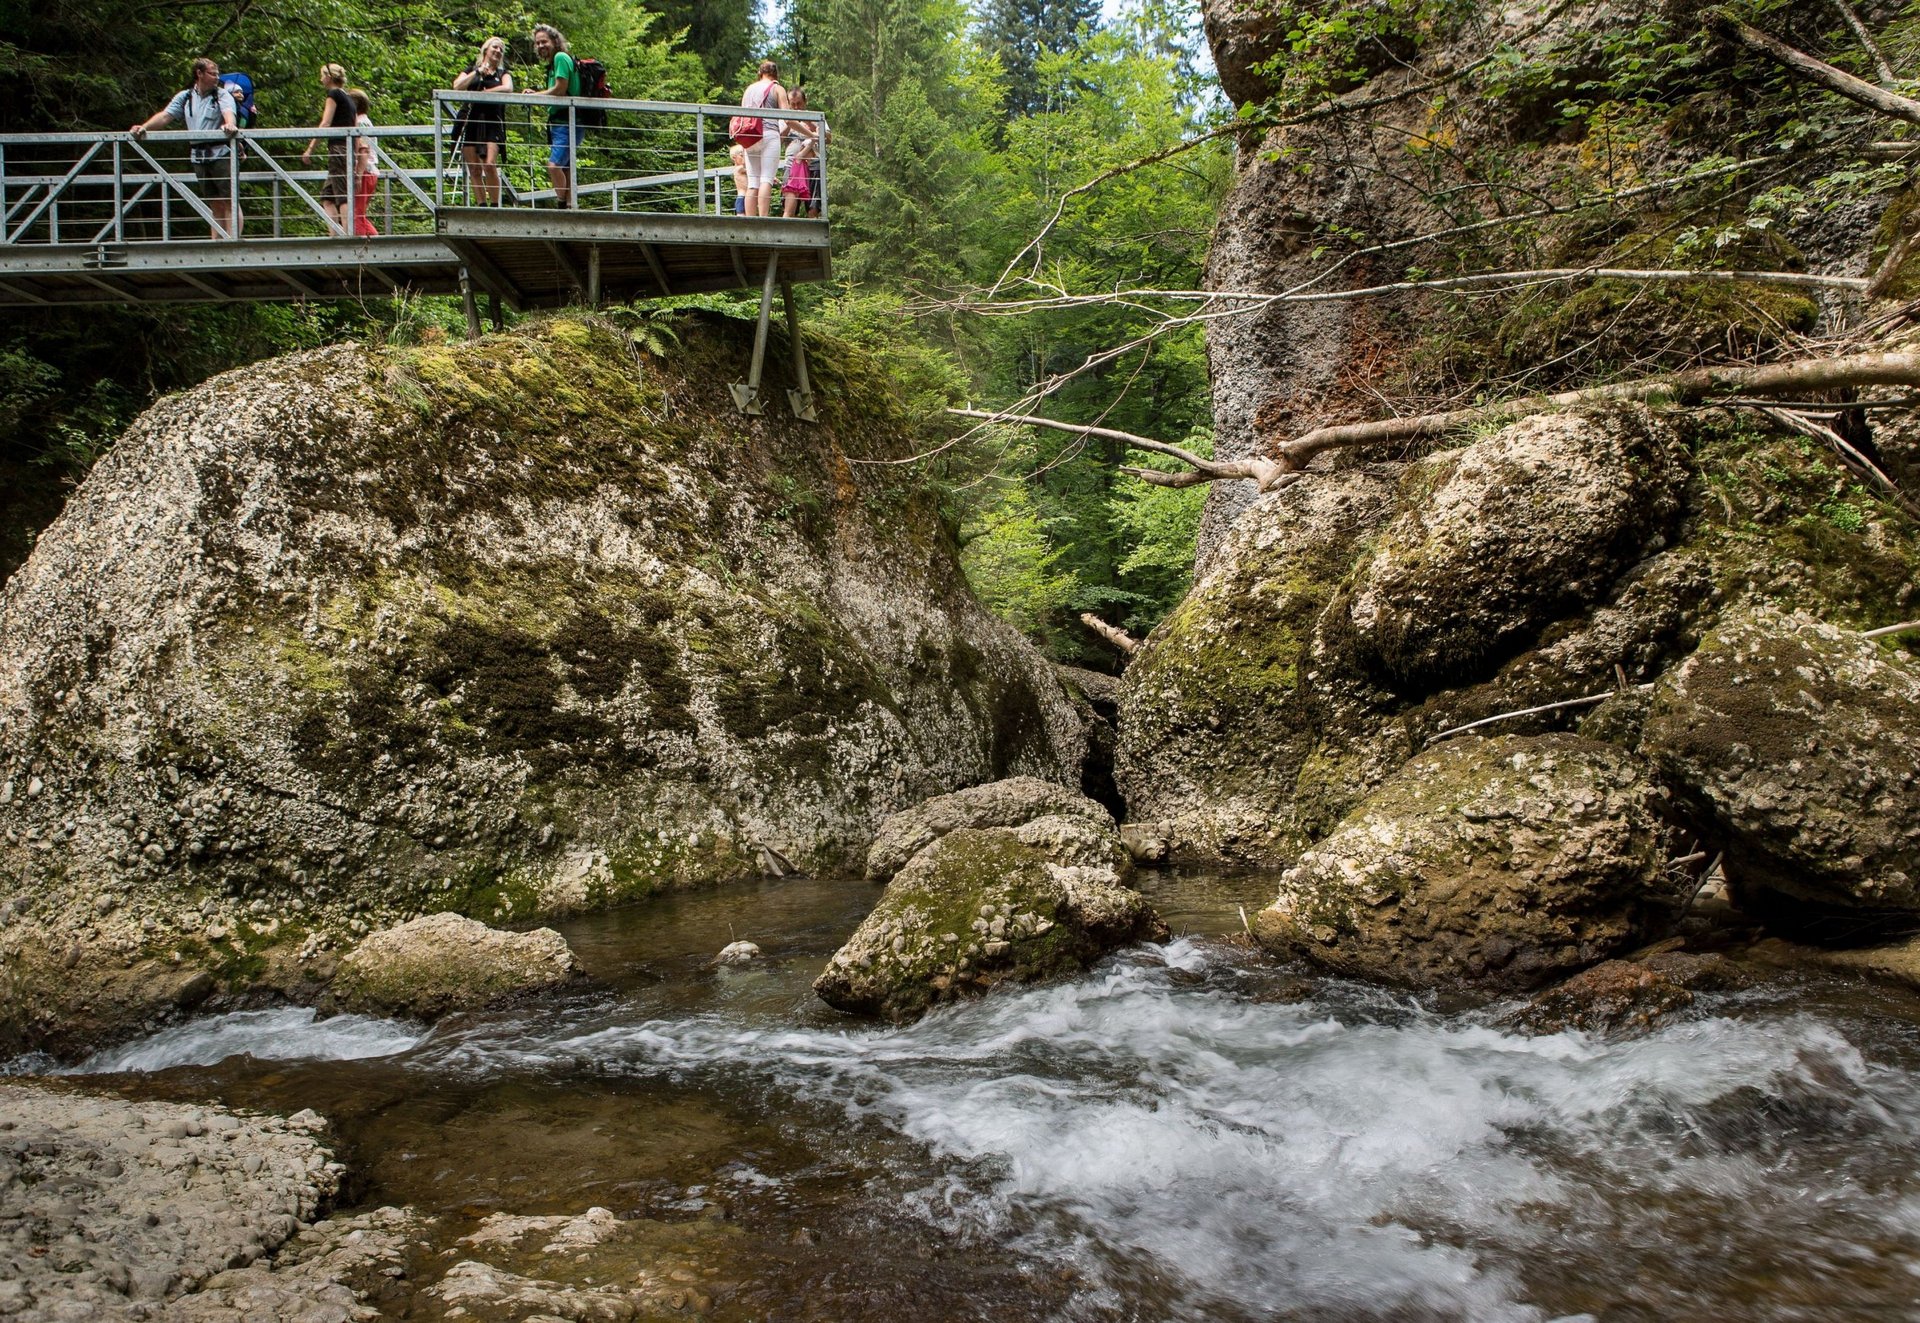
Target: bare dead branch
[(1478, 280), (1113, 634), (1862, 467), (1803, 65), (1587, 701), (1881, 69), (1255, 470), (1886, 630)]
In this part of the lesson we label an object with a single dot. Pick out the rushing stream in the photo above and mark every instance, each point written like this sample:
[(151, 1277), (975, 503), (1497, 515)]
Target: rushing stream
[(1186, 1132)]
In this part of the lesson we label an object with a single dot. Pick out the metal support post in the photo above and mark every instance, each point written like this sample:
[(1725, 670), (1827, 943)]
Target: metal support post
[(700, 158), (801, 400), (573, 154), (495, 314), (439, 160), (593, 275), (747, 398), (473, 309)]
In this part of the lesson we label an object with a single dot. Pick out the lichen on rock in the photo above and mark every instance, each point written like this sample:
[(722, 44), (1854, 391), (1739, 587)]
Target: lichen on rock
[(1800, 741), (1009, 803), (978, 907), (442, 962), (1496, 863), (517, 628)]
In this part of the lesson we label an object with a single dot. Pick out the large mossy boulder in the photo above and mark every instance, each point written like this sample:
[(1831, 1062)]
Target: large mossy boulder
[(508, 629), (439, 963), (1521, 528), (1346, 620), (1801, 742), (978, 907), (1496, 863), (1009, 803)]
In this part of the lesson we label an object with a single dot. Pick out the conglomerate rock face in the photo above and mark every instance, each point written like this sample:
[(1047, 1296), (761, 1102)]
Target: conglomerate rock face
[(1501, 863), (1801, 742), (508, 629)]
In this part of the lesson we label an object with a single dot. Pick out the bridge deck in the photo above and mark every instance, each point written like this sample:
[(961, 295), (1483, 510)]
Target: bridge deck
[(102, 218)]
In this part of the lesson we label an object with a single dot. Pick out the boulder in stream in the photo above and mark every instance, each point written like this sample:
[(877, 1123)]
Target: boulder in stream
[(439, 963), (1499, 863), (979, 907), (1801, 742), (517, 629), (1010, 803)]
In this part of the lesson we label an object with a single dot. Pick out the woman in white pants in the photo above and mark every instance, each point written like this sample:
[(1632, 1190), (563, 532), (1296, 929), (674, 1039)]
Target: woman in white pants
[(763, 156)]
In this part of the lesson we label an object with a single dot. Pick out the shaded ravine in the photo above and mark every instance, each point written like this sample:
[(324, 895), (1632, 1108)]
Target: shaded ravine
[(1186, 1132)]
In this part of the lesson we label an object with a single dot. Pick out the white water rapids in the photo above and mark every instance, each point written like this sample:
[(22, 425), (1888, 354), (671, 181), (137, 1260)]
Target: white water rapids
[(1173, 1130)]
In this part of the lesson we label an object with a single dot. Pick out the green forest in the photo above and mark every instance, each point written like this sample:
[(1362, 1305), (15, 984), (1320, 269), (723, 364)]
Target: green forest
[(957, 133)]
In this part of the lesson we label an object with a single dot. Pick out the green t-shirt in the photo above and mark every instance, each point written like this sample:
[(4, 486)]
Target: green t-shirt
[(562, 67)]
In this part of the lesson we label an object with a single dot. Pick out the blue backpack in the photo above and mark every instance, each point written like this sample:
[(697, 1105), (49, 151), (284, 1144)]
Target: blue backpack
[(242, 88)]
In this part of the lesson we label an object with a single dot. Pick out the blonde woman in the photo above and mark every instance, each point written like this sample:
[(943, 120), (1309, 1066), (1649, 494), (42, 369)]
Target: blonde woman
[(336, 112), (483, 128)]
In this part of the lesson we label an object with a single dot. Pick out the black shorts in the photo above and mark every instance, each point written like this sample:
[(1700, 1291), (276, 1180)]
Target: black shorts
[(211, 172), (490, 128)]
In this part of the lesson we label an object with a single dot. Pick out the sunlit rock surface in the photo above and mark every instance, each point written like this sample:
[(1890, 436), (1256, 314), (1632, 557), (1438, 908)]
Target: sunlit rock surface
[(508, 629)]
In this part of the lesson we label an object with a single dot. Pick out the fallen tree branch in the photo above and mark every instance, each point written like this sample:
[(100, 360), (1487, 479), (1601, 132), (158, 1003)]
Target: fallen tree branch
[(1851, 17), (1540, 276), (1588, 701), (1199, 470), (1886, 630), (1695, 386), (1861, 467), (1803, 65), (1113, 634), (1690, 387)]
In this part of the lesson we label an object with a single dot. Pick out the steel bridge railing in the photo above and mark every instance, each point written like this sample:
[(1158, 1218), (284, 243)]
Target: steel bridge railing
[(648, 158)]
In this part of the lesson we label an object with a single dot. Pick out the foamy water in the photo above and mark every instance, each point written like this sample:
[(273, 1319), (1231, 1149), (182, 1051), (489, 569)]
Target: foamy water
[(287, 1034), (1172, 1136)]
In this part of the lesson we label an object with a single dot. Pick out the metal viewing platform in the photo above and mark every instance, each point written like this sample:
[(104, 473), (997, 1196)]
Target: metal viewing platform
[(97, 218)]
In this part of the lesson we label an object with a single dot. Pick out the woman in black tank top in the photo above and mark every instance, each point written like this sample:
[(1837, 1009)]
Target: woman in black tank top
[(483, 128), (336, 113)]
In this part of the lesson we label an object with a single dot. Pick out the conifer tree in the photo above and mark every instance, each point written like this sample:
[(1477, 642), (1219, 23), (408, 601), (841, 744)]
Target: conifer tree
[(1021, 31)]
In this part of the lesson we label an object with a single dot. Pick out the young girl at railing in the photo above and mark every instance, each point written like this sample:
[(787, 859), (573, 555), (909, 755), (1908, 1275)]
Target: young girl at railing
[(366, 163), (483, 128)]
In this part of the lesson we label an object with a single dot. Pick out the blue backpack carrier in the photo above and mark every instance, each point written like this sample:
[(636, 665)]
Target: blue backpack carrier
[(242, 88)]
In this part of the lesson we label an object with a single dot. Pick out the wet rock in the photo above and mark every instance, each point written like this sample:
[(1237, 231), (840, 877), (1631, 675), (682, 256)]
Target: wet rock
[(1498, 863), (737, 953), (162, 1198), (1007, 803), (442, 962), (975, 908), (1799, 740), (1147, 842), (1614, 997)]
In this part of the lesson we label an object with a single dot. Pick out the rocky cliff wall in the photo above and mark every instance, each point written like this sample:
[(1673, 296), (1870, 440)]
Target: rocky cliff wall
[(509, 629)]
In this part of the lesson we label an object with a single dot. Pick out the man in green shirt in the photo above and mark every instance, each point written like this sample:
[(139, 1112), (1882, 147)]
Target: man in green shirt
[(562, 80)]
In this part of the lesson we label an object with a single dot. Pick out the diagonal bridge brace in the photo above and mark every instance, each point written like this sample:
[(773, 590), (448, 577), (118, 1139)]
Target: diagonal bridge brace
[(747, 397)]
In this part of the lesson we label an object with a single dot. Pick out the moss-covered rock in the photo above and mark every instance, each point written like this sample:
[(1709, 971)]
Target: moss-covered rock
[(1801, 742), (438, 963), (977, 907), (1218, 713), (1009, 803), (1499, 863), (514, 628), (1520, 528)]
